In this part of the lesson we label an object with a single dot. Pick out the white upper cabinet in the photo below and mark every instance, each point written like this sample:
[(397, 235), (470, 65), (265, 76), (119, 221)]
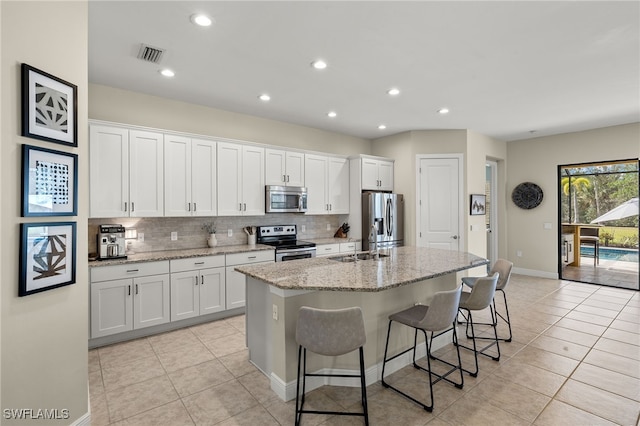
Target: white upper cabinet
[(126, 172), (284, 168), (327, 181), (377, 175), (241, 180), (338, 184), (190, 177)]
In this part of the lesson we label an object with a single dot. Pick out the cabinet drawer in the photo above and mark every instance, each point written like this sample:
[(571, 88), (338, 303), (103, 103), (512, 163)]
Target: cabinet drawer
[(350, 247), (325, 249), (250, 257), (192, 263), (132, 270)]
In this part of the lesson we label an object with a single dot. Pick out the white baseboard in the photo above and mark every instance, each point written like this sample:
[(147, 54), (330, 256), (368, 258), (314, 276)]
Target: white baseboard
[(536, 273), (85, 420)]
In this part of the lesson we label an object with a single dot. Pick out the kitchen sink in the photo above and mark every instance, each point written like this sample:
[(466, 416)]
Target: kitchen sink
[(361, 256)]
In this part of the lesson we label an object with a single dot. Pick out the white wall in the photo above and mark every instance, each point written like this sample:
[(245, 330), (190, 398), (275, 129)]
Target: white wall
[(476, 148), (536, 160), (43, 346), (122, 106)]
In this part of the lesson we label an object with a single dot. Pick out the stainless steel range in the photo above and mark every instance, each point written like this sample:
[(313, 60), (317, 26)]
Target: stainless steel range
[(284, 239)]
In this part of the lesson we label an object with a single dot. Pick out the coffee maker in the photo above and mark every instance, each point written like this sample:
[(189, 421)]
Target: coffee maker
[(111, 243)]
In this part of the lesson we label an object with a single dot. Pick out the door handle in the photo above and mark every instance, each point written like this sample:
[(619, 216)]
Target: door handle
[(201, 279), (136, 288)]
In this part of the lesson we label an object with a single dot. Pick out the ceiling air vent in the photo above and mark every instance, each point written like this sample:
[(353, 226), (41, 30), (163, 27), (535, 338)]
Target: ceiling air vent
[(150, 54)]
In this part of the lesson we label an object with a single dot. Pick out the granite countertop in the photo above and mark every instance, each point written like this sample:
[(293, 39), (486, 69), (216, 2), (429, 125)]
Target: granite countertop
[(152, 256), (405, 265)]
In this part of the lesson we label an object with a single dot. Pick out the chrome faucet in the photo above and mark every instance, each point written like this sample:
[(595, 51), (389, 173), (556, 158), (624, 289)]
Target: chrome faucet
[(373, 251)]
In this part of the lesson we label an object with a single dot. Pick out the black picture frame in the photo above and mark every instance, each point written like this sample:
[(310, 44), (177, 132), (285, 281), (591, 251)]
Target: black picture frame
[(477, 204), (49, 107), (49, 182), (47, 256)]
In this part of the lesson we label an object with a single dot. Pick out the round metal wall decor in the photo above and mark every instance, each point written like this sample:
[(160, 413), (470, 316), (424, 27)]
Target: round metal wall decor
[(527, 195)]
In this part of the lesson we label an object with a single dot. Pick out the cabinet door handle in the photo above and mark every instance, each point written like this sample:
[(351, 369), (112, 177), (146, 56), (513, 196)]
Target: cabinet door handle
[(330, 207), (288, 178), (240, 206), (284, 178), (195, 207), (132, 270), (125, 206), (189, 207), (198, 263), (251, 257), (136, 288), (201, 279), (129, 289), (245, 206), (196, 280), (133, 206)]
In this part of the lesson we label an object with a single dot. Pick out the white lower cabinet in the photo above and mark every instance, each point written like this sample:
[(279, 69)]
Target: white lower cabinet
[(197, 286), (129, 297), (327, 249), (236, 282)]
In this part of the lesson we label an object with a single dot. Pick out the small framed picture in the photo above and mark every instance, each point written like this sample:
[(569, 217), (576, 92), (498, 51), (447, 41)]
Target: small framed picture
[(477, 204), (49, 107), (47, 256), (49, 182)]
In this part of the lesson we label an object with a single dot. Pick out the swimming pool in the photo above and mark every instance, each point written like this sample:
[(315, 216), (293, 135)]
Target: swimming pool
[(611, 253)]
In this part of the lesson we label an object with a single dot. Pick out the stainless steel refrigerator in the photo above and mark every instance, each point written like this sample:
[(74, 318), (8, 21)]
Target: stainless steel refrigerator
[(382, 220)]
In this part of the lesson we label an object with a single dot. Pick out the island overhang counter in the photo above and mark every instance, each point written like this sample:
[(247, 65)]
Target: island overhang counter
[(403, 277)]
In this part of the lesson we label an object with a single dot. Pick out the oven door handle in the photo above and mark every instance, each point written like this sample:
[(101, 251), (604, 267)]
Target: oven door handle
[(294, 250)]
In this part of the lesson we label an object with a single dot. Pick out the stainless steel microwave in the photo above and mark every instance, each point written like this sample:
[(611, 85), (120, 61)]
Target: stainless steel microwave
[(286, 199)]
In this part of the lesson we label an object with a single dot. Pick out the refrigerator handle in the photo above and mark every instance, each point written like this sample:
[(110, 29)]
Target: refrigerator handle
[(389, 218)]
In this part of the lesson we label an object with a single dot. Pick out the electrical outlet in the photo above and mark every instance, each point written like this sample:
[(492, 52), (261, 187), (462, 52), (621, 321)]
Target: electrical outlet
[(328, 227), (174, 236), (141, 236), (275, 312), (519, 253), (229, 232), (304, 228)]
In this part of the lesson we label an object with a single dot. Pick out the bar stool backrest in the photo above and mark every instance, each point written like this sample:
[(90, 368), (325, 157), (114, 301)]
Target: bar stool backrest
[(481, 294), (442, 310), (330, 332), (503, 267)]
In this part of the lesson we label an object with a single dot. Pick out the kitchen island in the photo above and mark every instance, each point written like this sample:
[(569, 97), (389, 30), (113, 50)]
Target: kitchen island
[(403, 277)]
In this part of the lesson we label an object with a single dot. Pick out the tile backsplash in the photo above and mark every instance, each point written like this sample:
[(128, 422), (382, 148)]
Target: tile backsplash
[(157, 230)]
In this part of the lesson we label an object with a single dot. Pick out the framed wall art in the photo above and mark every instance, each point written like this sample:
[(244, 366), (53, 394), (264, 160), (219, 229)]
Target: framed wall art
[(49, 182), (478, 204), (49, 107), (47, 256)]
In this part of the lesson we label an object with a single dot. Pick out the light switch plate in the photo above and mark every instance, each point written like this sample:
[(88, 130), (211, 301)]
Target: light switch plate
[(174, 236), (229, 233), (140, 236), (304, 228)]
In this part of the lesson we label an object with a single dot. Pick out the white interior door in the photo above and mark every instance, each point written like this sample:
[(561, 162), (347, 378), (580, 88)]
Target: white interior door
[(492, 202), (439, 202)]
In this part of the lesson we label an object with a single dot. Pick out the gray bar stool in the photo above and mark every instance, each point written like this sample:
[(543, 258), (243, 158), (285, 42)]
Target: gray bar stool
[(439, 315), (480, 297), (502, 267), (329, 332)]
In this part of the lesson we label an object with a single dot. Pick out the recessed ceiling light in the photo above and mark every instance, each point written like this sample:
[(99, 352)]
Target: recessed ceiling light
[(202, 20), (443, 111), (332, 114), (264, 97), (394, 91), (319, 64), (382, 127), (167, 72)]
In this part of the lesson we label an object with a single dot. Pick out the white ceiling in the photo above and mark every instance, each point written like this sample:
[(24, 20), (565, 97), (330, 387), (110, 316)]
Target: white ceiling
[(504, 69)]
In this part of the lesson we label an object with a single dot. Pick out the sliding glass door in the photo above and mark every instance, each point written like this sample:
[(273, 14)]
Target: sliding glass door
[(598, 213)]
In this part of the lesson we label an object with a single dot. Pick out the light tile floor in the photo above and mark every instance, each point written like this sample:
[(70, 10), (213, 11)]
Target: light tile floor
[(574, 360)]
